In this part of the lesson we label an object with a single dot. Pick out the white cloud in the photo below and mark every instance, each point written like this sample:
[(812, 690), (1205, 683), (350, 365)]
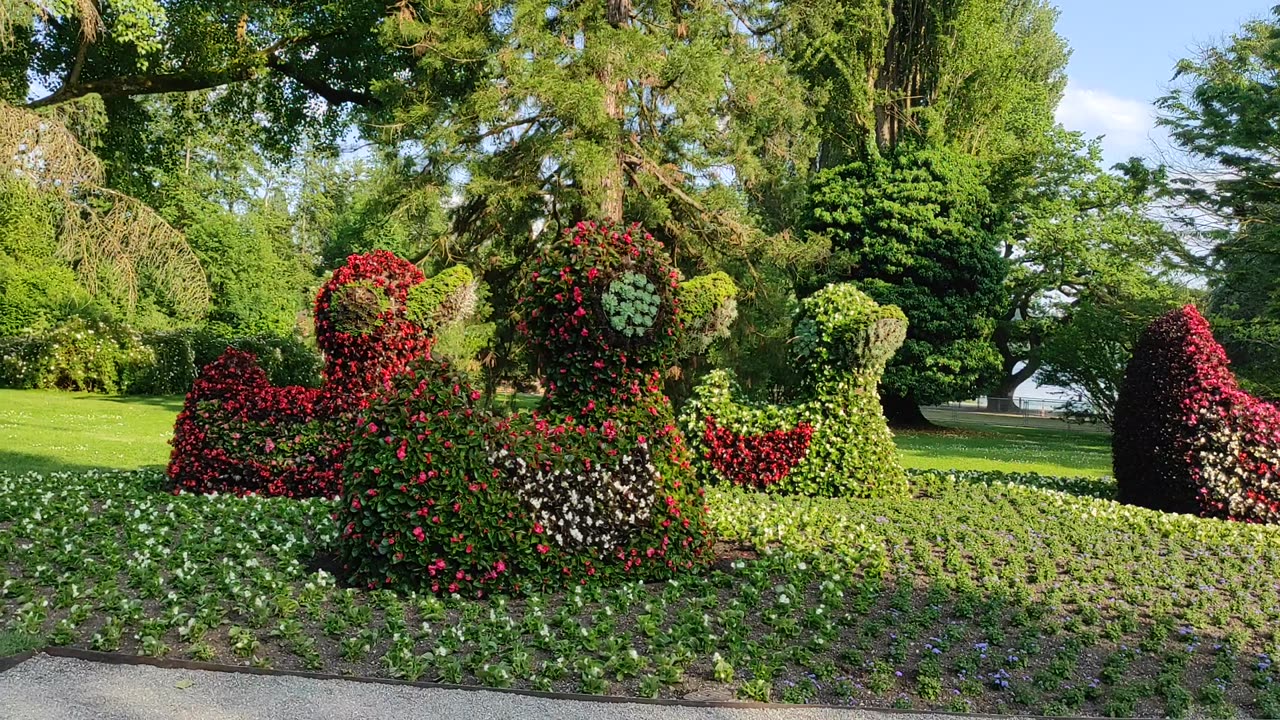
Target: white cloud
[(1127, 123)]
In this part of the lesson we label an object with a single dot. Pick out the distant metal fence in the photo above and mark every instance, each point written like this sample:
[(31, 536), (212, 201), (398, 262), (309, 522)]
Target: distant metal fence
[(1029, 411)]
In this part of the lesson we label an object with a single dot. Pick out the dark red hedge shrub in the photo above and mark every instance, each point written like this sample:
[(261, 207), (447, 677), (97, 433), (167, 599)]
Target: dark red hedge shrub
[(1186, 437), (239, 434)]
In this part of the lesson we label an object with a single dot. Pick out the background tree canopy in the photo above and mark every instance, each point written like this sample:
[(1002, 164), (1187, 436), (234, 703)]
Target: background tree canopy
[(218, 158)]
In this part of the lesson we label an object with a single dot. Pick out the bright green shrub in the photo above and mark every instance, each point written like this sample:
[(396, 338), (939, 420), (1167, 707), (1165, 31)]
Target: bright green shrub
[(77, 355), (834, 441), (36, 286), (444, 298)]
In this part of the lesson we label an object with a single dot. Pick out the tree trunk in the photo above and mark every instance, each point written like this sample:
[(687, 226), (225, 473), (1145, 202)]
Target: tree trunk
[(1001, 401), (612, 182), (904, 414), (618, 15)]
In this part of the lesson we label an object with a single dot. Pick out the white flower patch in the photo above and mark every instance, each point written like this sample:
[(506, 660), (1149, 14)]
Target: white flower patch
[(596, 508), (1228, 467)]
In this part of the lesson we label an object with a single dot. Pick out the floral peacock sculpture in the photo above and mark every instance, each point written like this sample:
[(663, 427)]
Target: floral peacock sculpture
[(834, 441), (594, 484), (239, 434)]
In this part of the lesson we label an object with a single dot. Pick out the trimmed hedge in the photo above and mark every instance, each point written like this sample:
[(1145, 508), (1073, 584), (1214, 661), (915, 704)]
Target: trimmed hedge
[(1186, 437), (834, 441), (100, 357)]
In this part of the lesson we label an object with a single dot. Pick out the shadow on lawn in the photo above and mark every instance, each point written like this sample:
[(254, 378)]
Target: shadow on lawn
[(172, 403), (21, 462)]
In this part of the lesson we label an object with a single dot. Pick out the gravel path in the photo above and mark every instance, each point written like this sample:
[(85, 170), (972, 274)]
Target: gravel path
[(52, 688)]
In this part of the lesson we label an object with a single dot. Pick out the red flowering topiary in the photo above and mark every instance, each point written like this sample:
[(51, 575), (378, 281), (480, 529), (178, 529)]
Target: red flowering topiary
[(595, 485), (239, 434), (1186, 437)]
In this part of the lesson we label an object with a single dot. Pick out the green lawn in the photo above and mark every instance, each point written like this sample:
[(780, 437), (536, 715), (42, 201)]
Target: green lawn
[(988, 443), (48, 431), (51, 431)]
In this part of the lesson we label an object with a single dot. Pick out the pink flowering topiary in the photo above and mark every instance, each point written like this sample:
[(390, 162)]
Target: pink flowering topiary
[(1186, 437)]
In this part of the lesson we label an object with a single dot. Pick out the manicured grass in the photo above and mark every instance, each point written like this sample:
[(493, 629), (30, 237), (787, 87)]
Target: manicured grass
[(48, 431), (1006, 445)]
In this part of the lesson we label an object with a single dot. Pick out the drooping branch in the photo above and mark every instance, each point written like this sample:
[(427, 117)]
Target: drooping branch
[(104, 233), (253, 68)]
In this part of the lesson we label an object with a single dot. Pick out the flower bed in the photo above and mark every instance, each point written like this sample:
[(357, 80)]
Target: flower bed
[(988, 595)]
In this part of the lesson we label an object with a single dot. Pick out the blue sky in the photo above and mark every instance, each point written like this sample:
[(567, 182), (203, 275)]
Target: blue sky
[(1123, 57)]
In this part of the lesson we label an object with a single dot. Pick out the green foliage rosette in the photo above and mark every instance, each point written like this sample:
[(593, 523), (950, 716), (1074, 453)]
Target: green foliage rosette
[(834, 441)]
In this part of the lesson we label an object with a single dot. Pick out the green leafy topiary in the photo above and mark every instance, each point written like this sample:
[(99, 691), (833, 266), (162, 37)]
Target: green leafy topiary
[(446, 298), (709, 306), (835, 441)]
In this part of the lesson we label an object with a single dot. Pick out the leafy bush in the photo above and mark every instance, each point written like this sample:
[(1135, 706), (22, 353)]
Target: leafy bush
[(834, 440), (1186, 437), (77, 355), (94, 356), (918, 229), (180, 354)]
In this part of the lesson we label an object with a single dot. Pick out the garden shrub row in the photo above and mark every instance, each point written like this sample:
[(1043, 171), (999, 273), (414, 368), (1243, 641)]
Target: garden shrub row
[(94, 356)]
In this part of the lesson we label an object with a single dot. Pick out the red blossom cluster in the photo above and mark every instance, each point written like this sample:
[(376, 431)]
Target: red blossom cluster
[(755, 460), (239, 434), (359, 363), (1187, 438)]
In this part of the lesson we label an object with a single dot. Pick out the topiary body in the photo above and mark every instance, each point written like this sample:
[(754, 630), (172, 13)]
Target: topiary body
[(595, 485), (1186, 437), (834, 440)]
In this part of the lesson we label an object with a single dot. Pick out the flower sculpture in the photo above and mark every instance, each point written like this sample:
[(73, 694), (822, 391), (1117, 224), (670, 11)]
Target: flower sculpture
[(834, 441), (595, 484), (1186, 437), (238, 434)]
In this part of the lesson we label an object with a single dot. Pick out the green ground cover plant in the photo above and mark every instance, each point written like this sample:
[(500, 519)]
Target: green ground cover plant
[(986, 592)]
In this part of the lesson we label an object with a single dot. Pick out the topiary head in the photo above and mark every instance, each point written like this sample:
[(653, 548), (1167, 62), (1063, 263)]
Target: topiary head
[(603, 303), (840, 330), (377, 312)]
